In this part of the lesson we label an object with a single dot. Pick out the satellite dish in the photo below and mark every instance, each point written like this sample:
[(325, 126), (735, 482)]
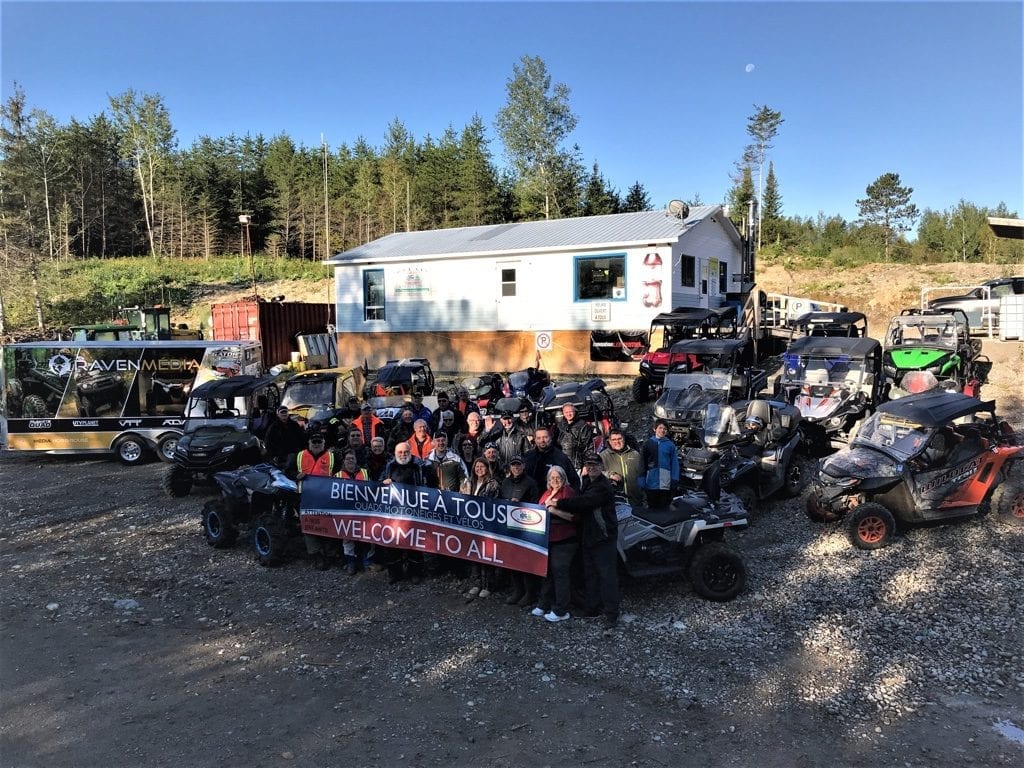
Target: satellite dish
[(679, 209)]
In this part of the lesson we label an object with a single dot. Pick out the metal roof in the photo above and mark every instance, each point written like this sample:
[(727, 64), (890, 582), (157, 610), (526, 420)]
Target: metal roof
[(585, 232)]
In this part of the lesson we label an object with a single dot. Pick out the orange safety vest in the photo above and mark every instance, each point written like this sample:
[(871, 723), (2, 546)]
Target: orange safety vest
[(308, 464), (359, 474)]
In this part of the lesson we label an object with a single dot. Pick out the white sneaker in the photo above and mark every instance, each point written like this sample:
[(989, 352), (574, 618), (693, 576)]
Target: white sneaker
[(485, 593), (537, 612), (554, 617), (473, 592)]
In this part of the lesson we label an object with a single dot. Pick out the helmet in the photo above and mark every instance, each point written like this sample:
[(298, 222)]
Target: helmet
[(753, 424)]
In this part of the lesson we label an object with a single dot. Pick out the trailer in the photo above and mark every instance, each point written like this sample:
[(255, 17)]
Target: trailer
[(124, 397)]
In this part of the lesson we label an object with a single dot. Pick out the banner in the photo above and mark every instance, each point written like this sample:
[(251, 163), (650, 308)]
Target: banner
[(488, 531), (618, 346)]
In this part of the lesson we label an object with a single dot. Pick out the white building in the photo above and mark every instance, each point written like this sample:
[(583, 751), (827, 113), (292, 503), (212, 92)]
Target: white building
[(492, 297)]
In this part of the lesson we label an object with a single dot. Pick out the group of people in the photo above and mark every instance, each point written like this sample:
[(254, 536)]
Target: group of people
[(451, 449)]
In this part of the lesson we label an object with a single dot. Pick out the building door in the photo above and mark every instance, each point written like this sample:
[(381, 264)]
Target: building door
[(507, 276), (702, 283)]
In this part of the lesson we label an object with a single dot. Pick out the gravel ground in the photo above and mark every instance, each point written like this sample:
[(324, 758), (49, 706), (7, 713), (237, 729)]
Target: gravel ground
[(127, 641)]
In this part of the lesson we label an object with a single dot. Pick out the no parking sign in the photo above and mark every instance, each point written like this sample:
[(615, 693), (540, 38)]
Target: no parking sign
[(543, 341)]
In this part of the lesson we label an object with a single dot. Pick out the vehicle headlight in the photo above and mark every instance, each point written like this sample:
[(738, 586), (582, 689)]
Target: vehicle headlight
[(659, 411), (228, 448), (847, 482)]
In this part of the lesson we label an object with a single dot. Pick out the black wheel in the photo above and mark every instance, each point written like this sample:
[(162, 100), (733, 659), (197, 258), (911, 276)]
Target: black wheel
[(871, 526), (795, 478), (717, 572), (218, 525), (165, 448), (1008, 501), (269, 540), (130, 450), (641, 389), (177, 481), (86, 407), (33, 406), (748, 496)]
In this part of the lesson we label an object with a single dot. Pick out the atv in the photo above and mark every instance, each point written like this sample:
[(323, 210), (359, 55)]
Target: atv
[(753, 467), (701, 372), (401, 377), (926, 457), (686, 537), (218, 433), (593, 405), (671, 327), (96, 389), (36, 391), (835, 382), (484, 390), (937, 342), (529, 383), (261, 497)]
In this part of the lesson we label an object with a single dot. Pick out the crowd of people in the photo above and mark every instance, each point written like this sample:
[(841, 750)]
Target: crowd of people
[(568, 467)]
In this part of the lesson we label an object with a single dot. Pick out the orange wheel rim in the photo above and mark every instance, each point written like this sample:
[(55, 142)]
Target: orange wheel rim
[(871, 530)]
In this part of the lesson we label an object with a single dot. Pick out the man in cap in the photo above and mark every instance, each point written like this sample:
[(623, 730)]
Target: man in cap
[(316, 460), (509, 436), (284, 437), (444, 404), (595, 506), (369, 424), (520, 487)]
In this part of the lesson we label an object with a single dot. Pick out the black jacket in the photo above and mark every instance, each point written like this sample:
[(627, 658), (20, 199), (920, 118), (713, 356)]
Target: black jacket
[(521, 488), (538, 463), (595, 506)]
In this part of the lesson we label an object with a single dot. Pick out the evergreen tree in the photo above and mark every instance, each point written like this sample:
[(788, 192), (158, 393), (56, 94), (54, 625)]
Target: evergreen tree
[(762, 127), (888, 207), (598, 197), (741, 194), (477, 195), (771, 220), (636, 199)]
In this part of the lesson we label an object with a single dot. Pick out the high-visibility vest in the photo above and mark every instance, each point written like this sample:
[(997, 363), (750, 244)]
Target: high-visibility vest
[(359, 474), (308, 464)]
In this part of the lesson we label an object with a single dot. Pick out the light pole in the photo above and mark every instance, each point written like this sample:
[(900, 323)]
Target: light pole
[(244, 220)]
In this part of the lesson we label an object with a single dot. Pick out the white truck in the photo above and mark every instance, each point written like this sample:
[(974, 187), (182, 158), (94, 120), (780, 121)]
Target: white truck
[(125, 397)]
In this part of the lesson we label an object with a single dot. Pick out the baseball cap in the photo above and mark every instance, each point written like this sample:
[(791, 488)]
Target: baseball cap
[(592, 458), (366, 407), (516, 460), (506, 415), (282, 409), (491, 445)]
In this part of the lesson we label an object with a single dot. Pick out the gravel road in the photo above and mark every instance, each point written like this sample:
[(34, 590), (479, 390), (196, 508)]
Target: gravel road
[(126, 640)]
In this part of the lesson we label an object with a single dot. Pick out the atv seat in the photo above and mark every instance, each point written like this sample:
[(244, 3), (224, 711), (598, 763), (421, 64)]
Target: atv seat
[(682, 508)]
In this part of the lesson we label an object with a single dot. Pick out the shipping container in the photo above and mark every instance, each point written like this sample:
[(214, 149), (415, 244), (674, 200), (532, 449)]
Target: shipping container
[(274, 324)]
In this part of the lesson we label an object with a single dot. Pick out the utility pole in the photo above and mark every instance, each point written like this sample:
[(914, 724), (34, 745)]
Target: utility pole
[(327, 206)]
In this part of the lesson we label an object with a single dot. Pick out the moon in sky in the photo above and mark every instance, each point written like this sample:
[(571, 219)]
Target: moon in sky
[(749, 68)]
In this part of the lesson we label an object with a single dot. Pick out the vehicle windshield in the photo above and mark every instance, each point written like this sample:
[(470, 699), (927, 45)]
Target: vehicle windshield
[(832, 371), (709, 381), (939, 331), (316, 392), (719, 423), (899, 437), (231, 409), (519, 379)]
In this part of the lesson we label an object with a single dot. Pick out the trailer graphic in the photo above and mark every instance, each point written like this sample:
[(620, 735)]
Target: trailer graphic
[(125, 397)]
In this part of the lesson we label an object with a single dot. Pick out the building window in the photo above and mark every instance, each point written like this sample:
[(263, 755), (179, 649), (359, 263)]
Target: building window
[(601, 277), (688, 272), (373, 294), (508, 281), (723, 277)]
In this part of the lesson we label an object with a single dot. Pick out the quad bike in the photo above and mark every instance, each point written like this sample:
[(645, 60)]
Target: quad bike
[(835, 382), (484, 390), (667, 329), (926, 457), (752, 467), (932, 342), (261, 497), (99, 389), (35, 392), (218, 433), (686, 538), (703, 372), (528, 383)]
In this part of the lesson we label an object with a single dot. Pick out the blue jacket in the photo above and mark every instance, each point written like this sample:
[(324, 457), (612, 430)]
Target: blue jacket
[(661, 464)]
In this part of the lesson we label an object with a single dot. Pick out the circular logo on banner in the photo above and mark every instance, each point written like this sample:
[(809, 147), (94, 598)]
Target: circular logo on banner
[(543, 340)]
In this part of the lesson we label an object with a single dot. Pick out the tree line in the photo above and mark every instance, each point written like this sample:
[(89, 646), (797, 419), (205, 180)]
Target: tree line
[(118, 184)]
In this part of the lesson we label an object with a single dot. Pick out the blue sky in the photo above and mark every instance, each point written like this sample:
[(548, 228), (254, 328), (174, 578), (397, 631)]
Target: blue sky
[(931, 91)]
